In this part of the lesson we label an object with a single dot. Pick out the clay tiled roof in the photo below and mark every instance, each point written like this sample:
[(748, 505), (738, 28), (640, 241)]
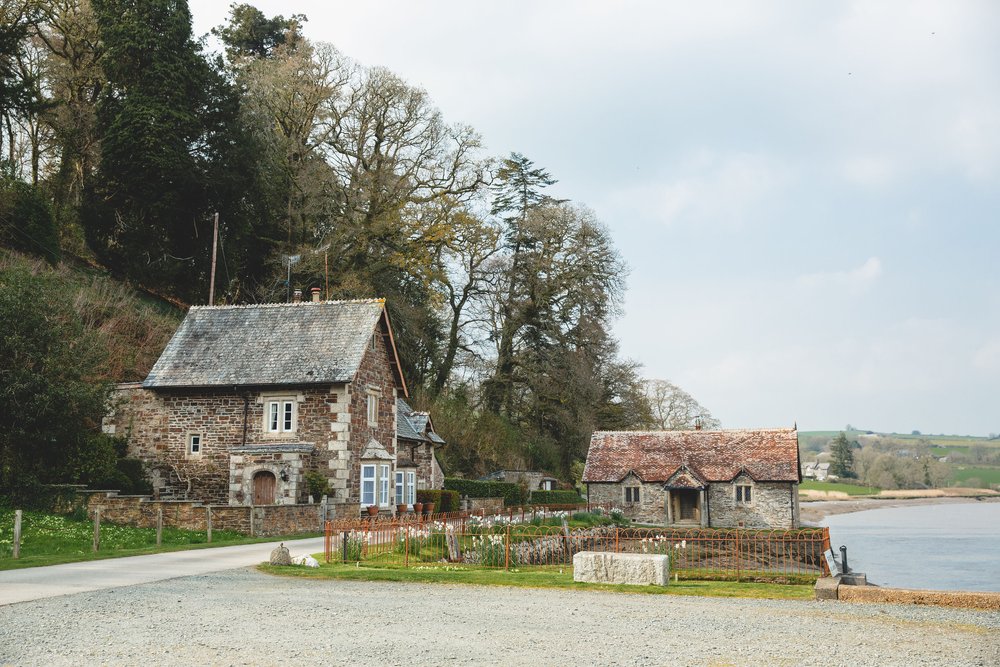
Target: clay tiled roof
[(765, 455), (271, 344)]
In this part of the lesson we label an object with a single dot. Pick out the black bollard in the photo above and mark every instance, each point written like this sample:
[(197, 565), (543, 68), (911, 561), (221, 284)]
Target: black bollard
[(843, 559)]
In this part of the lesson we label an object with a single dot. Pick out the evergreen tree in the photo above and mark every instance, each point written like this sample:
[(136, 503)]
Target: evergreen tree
[(843, 457)]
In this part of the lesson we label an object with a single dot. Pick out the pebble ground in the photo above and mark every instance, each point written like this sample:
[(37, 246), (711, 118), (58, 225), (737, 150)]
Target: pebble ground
[(242, 617)]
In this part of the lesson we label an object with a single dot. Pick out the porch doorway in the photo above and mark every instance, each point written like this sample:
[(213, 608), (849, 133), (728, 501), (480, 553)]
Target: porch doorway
[(686, 506), (263, 488)]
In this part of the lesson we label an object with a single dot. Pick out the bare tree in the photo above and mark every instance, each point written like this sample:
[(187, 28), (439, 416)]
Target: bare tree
[(676, 410)]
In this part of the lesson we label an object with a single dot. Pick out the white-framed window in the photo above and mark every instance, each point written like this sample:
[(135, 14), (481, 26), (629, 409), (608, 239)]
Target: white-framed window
[(367, 485), (194, 444), (744, 494), (280, 415), (546, 485), (411, 487), (400, 487), (372, 409), (631, 494), (383, 496)]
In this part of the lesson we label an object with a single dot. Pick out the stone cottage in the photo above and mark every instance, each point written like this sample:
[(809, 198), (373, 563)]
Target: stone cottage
[(718, 479), (245, 401)]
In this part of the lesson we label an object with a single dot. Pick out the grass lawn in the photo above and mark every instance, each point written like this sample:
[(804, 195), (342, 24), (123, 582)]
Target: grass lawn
[(986, 475), (849, 489), (540, 577), (50, 539)]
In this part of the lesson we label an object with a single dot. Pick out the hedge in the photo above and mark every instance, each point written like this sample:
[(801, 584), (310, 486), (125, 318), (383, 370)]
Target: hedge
[(444, 501), (565, 497), (512, 494)]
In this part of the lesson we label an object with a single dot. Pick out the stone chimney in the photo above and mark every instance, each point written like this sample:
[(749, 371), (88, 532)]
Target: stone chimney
[(697, 423), (315, 294), (297, 296)]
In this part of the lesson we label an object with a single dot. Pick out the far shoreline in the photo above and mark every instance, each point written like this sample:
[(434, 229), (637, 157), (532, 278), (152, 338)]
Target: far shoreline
[(812, 512)]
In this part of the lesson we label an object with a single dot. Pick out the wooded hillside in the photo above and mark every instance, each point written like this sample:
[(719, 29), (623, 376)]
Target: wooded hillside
[(122, 137)]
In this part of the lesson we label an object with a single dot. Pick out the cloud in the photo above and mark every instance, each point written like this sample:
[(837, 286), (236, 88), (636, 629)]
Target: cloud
[(869, 171), (987, 357), (856, 278), (726, 190)]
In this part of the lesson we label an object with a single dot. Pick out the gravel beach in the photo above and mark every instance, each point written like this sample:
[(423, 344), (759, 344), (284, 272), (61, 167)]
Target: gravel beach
[(245, 617)]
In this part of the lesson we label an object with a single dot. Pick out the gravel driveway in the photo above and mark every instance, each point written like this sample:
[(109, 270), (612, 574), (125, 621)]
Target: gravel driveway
[(244, 617)]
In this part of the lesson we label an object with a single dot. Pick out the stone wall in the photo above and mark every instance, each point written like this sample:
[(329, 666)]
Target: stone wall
[(651, 507), (489, 505), (157, 425), (374, 373), (772, 505), (263, 520)]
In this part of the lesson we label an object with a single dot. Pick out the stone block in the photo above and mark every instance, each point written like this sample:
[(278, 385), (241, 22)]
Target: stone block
[(826, 588), (613, 568)]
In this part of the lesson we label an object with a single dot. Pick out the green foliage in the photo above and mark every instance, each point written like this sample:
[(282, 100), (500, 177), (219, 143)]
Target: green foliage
[(249, 33), (849, 489), (556, 498), (429, 496), (450, 501), (26, 220), (512, 494), (317, 484), (49, 399)]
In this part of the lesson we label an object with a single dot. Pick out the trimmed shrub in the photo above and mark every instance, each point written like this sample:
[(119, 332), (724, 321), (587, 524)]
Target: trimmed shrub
[(556, 498), (430, 496), (512, 494), (450, 501)]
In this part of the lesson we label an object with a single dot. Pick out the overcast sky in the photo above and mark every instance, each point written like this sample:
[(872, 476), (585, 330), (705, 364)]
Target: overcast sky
[(807, 193)]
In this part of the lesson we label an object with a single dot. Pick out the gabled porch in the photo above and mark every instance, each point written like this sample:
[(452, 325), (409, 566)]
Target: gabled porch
[(686, 499)]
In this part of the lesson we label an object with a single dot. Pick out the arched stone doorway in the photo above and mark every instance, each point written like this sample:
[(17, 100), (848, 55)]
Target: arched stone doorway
[(264, 484)]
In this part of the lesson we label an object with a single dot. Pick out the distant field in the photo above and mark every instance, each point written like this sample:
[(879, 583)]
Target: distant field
[(941, 443), (849, 489), (988, 476)]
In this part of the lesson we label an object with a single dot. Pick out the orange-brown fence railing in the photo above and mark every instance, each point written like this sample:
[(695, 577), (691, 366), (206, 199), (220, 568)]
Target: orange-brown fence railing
[(503, 541)]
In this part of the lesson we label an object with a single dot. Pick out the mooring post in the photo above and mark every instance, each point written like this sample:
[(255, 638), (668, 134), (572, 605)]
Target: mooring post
[(208, 522), (843, 559), (97, 529), (17, 533), (159, 526)]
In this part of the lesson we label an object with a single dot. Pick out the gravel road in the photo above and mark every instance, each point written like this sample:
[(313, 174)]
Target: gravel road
[(242, 617)]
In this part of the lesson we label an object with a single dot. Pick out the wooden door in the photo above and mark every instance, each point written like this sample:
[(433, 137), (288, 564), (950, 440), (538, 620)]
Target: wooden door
[(263, 488), (689, 505)]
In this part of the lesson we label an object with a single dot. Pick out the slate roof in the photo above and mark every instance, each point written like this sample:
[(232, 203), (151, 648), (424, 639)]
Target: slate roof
[(270, 344), (411, 425), (717, 456)]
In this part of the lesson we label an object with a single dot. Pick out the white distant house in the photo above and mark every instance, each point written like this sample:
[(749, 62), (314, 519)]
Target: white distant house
[(817, 471)]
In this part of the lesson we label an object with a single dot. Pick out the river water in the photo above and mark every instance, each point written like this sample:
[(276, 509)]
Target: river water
[(946, 547)]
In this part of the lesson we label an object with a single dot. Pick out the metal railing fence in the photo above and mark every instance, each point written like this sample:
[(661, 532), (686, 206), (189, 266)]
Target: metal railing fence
[(508, 542)]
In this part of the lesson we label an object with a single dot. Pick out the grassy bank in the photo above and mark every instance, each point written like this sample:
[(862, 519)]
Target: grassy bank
[(540, 577), (849, 489), (51, 539)]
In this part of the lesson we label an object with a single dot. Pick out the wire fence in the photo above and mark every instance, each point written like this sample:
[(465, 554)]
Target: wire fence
[(550, 538)]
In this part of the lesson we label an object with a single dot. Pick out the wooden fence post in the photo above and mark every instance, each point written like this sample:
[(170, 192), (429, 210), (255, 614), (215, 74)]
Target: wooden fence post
[(97, 529), (17, 533), (159, 526), (208, 521)]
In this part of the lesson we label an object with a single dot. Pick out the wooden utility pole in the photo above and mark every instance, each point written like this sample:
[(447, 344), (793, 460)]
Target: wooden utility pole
[(159, 526), (215, 245)]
